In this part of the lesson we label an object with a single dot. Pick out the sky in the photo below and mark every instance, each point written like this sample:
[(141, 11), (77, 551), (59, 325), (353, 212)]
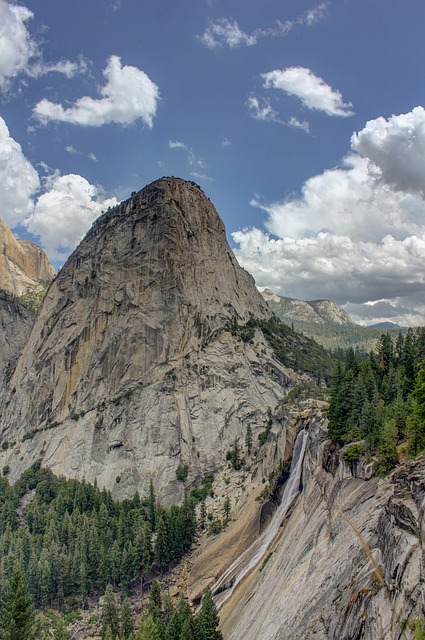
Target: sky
[(303, 122)]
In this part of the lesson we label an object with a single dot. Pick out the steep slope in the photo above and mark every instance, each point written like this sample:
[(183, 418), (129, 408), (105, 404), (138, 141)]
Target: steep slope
[(23, 265), (313, 311), (349, 561), (130, 370), (15, 326)]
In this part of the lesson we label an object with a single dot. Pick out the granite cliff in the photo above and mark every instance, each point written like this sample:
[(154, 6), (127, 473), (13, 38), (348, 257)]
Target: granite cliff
[(349, 559), (23, 265), (321, 312), (15, 326), (130, 370)]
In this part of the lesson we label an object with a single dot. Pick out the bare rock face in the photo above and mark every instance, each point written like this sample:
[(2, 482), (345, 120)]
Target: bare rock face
[(322, 312), (349, 561), (15, 326), (23, 265), (130, 369)]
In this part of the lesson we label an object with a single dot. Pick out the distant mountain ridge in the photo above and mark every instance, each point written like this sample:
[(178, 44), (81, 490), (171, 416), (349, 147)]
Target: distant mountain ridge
[(321, 312)]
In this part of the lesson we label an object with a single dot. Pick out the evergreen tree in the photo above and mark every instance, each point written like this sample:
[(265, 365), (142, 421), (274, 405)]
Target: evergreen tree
[(208, 619), (387, 450), (151, 503), (248, 439), (416, 426), (110, 616), (148, 629), (126, 621), (155, 602), (188, 630), (162, 544), (17, 615)]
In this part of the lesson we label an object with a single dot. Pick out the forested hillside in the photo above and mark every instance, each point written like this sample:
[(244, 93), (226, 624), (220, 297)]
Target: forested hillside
[(378, 400)]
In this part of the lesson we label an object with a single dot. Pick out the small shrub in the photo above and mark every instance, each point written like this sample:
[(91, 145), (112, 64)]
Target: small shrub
[(6, 470), (182, 472), (215, 527), (353, 452)]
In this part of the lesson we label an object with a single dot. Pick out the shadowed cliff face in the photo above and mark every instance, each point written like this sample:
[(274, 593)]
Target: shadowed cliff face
[(15, 325), (132, 324)]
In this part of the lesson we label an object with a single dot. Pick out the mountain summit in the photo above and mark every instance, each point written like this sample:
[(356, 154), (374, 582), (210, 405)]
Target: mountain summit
[(131, 370)]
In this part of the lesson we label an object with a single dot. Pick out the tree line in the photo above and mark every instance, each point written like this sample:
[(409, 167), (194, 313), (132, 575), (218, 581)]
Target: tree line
[(377, 400)]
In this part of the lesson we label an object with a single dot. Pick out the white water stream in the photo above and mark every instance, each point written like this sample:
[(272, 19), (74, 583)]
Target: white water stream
[(225, 585)]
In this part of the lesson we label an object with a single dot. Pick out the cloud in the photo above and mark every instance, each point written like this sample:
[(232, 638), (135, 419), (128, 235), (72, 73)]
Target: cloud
[(350, 235), (21, 54), (16, 45), (313, 92), (297, 124), (202, 177), (191, 157), (397, 148), (66, 67), (227, 32), (18, 180), (61, 215), (64, 213), (261, 109), (128, 95)]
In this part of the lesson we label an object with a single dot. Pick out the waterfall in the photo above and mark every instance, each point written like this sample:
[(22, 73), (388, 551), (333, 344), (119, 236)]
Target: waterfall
[(225, 585)]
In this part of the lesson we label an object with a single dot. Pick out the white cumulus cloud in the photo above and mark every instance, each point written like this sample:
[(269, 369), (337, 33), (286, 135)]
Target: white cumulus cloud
[(64, 213), (18, 180), (397, 148), (16, 45), (60, 214), (128, 95), (313, 92), (355, 234)]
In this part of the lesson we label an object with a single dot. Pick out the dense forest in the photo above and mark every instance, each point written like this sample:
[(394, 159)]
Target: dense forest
[(377, 401), (71, 539), (159, 620)]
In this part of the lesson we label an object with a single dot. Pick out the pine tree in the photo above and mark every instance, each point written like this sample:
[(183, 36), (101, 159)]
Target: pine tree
[(152, 506), (416, 423), (208, 619), (110, 617), (248, 439), (155, 602), (126, 621), (387, 450), (188, 630), (148, 629), (162, 544), (17, 616)]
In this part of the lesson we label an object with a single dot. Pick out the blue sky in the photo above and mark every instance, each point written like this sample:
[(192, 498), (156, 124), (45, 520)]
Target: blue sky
[(302, 121)]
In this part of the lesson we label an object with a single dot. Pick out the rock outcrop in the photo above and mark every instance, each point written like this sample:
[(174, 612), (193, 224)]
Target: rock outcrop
[(348, 563), (23, 265), (130, 370), (15, 326), (321, 312)]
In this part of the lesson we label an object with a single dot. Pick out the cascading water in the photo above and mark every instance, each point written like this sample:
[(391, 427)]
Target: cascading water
[(225, 585)]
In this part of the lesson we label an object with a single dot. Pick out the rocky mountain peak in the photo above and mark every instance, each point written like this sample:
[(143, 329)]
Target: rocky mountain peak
[(133, 324)]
